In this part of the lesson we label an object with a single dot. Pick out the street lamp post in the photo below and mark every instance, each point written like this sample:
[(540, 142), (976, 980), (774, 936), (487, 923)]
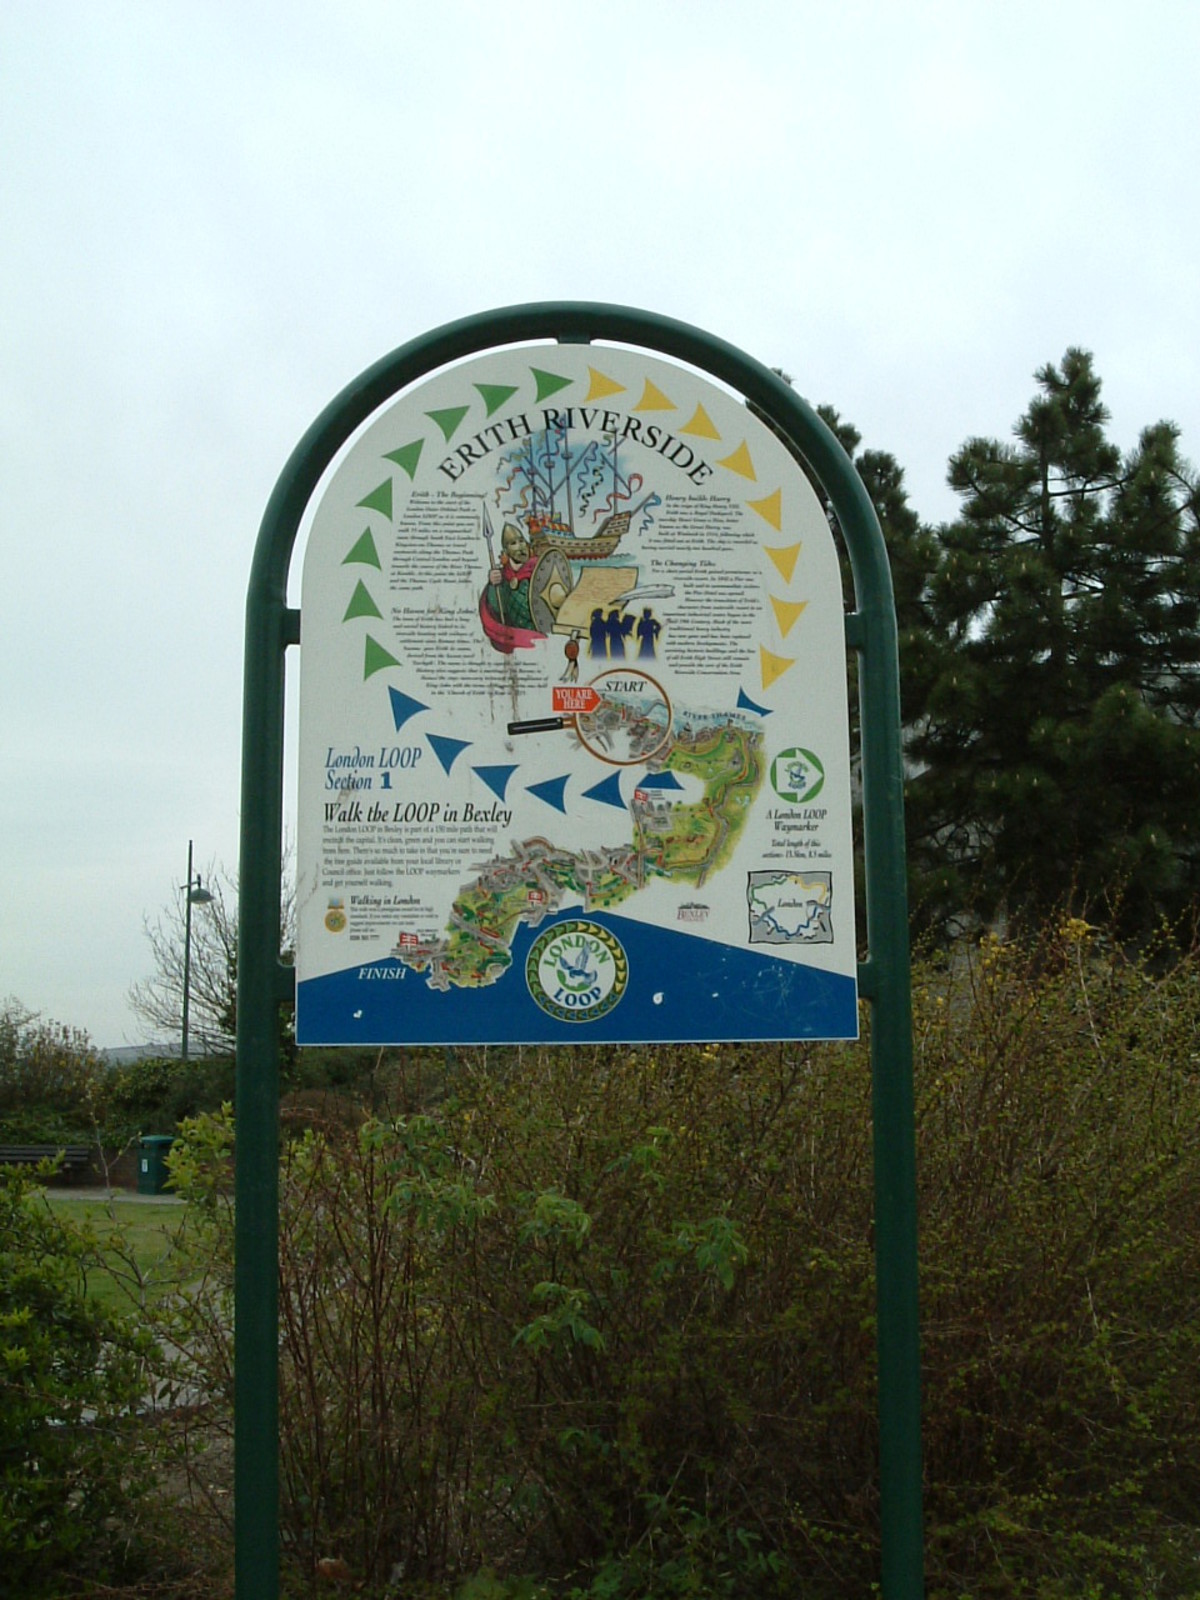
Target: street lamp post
[(195, 894)]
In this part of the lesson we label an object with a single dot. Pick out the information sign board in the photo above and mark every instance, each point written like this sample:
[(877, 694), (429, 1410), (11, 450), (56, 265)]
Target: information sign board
[(574, 753)]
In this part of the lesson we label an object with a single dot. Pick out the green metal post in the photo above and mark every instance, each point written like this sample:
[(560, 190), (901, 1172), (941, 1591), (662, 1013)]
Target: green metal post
[(259, 993), (885, 981), (263, 984)]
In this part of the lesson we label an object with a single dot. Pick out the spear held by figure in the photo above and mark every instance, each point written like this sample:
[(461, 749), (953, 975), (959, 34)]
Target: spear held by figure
[(487, 534)]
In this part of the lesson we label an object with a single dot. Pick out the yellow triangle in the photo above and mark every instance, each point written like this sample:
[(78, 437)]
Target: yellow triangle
[(785, 560), (770, 509), (602, 386), (740, 461), (653, 399), (786, 612), (773, 666), (701, 425)]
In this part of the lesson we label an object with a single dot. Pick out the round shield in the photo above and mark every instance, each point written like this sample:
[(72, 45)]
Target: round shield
[(549, 585)]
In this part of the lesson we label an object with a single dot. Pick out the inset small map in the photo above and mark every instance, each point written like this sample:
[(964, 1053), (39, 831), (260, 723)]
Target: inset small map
[(790, 907), (631, 724)]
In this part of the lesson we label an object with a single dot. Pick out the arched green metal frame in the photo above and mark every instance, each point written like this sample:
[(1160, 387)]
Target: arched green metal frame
[(264, 983)]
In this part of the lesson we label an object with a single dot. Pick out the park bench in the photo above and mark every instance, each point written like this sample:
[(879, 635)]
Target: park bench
[(71, 1159)]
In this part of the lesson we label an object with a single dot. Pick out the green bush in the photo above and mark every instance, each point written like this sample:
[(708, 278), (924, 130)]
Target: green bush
[(51, 1080), (606, 1317), (1059, 1162), (72, 1471), (550, 1327), (154, 1093)]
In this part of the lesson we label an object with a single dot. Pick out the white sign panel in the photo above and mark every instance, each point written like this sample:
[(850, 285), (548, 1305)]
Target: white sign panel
[(574, 751)]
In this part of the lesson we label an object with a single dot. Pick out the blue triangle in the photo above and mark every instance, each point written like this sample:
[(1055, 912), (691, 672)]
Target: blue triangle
[(608, 792), (551, 792), (496, 778), (746, 704), (659, 780), (404, 706), (447, 750)]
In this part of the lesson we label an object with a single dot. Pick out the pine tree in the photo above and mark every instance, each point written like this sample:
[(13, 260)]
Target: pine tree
[(912, 555), (1059, 749)]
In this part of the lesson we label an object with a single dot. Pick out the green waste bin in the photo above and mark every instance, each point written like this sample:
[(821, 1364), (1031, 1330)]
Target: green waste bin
[(153, 1149)]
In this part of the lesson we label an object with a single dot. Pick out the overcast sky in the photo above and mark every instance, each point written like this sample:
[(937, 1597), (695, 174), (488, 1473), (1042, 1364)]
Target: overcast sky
[(214, 215)]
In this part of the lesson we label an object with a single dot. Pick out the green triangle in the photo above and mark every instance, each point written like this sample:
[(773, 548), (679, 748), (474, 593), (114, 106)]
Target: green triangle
[(449, 419), (495, 394), (364, 552), (379, 499), (549, 383), (407, 456), (361, 604), (376, 658)]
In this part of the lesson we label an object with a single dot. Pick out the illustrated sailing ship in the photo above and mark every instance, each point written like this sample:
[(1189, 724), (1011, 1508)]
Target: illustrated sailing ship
[(550, 519), (549, 486)]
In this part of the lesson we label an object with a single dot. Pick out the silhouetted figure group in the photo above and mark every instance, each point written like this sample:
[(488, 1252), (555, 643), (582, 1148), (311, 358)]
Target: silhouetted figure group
[(608, 635)]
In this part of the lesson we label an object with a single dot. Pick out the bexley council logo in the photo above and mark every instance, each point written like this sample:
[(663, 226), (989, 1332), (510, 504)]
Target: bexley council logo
[(577, 971), (797, 776)]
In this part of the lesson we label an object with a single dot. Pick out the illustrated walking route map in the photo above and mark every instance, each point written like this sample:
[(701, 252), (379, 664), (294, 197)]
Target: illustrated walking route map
[(574, 754)]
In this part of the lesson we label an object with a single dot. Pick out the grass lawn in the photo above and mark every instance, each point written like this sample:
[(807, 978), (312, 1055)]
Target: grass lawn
[(134, 1236)]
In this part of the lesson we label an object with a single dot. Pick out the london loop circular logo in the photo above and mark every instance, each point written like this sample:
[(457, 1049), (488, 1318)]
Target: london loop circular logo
[(797, 776), (577, 971)]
